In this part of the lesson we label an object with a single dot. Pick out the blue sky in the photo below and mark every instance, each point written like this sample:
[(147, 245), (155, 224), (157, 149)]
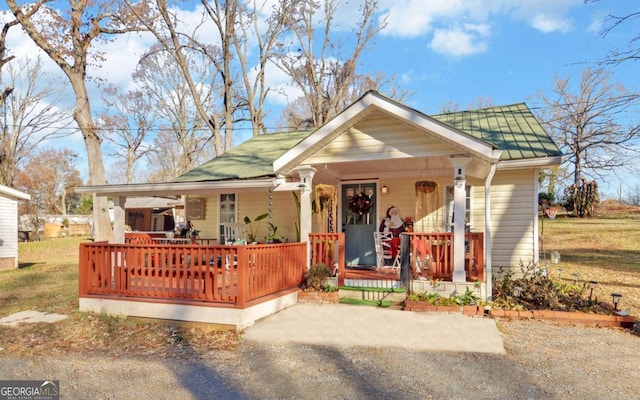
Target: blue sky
[(456, 51)]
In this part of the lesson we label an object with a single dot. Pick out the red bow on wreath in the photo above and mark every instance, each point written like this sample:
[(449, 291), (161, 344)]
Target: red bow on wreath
[(360, 204)]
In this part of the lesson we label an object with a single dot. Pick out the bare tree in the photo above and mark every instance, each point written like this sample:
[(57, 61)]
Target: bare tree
[(593, 124), (478, 103), (164, 26), (66, 37), (5, 58), (47, 176), (129, 118), (612, 25), (325, 76), (253, 36), (163, 83), (32, 115), (296, 115)]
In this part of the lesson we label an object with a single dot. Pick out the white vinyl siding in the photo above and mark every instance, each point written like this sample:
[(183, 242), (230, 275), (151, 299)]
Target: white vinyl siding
[(379, 138), (8, 230), (512, 221)]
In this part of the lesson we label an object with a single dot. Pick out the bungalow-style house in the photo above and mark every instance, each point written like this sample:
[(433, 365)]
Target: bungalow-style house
[(9, 226), (465, 185)]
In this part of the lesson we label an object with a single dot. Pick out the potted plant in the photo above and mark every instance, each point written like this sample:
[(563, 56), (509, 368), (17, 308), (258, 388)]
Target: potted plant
[(317, 290), (252, 233), (273, 237)]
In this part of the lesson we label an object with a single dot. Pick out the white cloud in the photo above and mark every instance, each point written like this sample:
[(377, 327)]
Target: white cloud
[(414, 18), (460, 42), (551, 23), (423, 18)]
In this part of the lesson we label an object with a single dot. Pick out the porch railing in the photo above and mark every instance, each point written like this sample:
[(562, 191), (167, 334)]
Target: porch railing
[(237, 276), (328, 248), (439, 247)]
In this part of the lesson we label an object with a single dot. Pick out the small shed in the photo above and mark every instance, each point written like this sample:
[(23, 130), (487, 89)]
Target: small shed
[(9, 226)]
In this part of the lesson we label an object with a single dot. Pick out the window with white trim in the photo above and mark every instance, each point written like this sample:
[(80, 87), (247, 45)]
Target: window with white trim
[(227, 212)]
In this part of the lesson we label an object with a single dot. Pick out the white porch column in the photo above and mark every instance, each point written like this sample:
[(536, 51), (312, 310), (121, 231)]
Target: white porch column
[(459, 212), (118, 218), (306, 173)]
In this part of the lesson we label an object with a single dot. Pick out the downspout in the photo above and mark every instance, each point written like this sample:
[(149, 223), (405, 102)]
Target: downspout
[(487, 225)]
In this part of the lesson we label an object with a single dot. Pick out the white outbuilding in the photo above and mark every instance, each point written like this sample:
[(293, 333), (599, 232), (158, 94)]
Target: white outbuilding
[(9, 226)]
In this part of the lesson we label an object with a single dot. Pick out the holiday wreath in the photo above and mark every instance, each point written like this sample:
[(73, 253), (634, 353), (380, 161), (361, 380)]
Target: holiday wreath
[(360, 204)]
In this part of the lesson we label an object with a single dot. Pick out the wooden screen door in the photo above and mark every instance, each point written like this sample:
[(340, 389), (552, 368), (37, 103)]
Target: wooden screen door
[(359, 222)]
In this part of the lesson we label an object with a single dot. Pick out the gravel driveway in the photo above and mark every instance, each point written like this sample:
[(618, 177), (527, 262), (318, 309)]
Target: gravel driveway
[(542, 361)]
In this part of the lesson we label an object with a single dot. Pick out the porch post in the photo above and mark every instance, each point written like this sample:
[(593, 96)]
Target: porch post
[(306, 173), (118, 218), (460, 211)]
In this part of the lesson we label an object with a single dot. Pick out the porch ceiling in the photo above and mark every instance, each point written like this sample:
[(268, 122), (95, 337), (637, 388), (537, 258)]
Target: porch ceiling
[(394, 168)]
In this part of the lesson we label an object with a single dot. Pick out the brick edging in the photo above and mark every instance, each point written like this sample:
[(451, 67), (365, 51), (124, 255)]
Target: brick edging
[(562, 317)]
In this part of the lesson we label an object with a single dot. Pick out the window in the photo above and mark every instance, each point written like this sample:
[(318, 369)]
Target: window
[(226, 212), (449, 209)]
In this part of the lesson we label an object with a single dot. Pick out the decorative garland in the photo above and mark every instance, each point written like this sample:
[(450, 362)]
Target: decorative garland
[(360, 204)]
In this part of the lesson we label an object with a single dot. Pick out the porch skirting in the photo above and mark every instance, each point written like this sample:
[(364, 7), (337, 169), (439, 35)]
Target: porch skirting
[(227, 318)]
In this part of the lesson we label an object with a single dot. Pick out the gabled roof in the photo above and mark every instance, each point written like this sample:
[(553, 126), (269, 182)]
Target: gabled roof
[(511, 128), (251, 159)]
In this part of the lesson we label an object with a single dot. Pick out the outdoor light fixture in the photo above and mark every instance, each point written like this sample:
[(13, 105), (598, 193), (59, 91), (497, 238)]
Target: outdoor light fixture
[(575, 278), (592, 285), (559, 273), (385, 189), (459, 181), (616, 299)]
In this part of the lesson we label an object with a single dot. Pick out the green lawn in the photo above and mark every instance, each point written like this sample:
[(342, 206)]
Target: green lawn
[(605, 250)]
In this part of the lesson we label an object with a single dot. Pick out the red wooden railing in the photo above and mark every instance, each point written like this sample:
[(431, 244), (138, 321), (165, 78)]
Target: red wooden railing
[(328, 248), (236, 276), (440, 249)]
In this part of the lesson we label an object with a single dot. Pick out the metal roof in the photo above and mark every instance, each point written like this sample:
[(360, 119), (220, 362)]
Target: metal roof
[(511, 128), (251, 159)]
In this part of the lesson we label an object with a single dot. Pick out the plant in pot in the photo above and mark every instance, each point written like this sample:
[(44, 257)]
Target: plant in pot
[(273, 237), (317, 276), (251, 235)]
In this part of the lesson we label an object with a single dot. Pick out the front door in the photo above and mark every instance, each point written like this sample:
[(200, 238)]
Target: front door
[(359, 222)]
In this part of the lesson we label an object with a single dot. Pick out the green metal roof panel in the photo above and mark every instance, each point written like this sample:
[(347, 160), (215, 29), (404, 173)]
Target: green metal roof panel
[(512, 129), (251, 159)]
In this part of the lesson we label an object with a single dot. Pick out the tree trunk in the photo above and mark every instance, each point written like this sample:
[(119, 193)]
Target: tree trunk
[(82, 115)]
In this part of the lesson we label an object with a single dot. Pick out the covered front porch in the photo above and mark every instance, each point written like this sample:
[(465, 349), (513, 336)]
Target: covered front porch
[(235, 285)]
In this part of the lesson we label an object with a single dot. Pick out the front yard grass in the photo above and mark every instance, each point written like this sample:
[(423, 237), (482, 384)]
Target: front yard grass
[(605, 250), (47, 281)]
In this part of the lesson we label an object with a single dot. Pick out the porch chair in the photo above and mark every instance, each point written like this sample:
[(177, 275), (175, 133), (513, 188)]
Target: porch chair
[(382, 241), (234, 232)]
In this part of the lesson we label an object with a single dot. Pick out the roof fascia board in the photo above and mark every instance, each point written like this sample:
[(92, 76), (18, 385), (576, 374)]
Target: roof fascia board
[(321, 134), (176, 188), (402, 112), (529, 163), (16, 194)]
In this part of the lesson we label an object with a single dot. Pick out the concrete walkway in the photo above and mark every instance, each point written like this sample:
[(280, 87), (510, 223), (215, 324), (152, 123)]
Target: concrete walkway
[(348, 325)]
